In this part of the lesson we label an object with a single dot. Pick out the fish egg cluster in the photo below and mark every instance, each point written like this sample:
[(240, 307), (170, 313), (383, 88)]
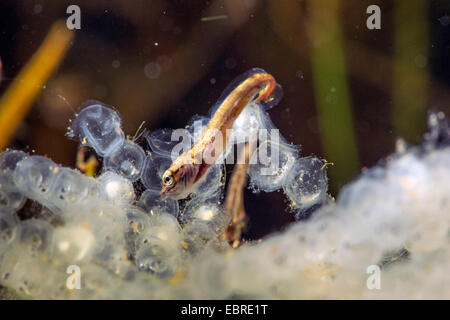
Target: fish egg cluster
[(116, 227), (129, 241)]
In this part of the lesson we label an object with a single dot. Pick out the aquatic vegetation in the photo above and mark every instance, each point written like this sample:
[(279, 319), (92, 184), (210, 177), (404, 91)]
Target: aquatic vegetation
[(131, 241), (16, 102)]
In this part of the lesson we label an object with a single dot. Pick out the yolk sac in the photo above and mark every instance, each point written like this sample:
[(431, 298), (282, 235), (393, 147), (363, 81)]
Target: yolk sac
[(127, 161), (99, 127), (154, 168), (34, 176), (307, 185), (153, 202)]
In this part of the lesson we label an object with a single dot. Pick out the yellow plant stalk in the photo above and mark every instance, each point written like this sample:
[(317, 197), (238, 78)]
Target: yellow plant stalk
[(18, 98)]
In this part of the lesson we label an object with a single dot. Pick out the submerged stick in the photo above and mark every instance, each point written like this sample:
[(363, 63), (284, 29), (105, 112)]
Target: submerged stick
[(234, 202)]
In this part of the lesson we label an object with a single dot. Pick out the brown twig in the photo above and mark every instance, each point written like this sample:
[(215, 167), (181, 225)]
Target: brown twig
[(234, 202)]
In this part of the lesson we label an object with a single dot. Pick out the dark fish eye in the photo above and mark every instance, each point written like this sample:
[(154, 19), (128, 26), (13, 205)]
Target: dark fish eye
[(168, 178)]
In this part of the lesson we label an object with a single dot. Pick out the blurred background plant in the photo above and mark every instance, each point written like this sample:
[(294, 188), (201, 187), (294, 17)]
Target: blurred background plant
[(349, 92)]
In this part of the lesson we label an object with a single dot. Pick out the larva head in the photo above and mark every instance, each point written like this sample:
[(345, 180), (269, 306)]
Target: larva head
[(177, 183)]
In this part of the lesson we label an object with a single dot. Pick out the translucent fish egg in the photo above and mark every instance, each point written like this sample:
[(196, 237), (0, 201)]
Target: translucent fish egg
[(11, 199), (127, 161), (34, 176), (117, 188), (158, 250), (99, 127), (169, 143), (270, 164), (246, 126), (211, 183), (69, 187), (153, 202), (307, 184), (136, 222), (158, 258), (8, 229), (8, 162), (95, 188), (35, 236), (73, 243), (164, 227), (154, 168), (196, 236), (167, 221), (207, 214)]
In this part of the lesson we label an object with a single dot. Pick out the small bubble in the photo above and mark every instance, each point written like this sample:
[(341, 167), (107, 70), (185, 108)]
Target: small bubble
[(212, 81), (37, 8), (444, 20), (156, 44), (152, 70), (115, 64)]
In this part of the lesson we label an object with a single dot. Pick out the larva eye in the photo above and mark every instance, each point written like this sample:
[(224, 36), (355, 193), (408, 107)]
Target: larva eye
[(168, 179)]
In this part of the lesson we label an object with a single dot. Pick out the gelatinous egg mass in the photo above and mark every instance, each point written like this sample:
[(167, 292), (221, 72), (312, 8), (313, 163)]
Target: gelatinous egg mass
[(99, 127), (157, 247), (308, 183), (127, 161)]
